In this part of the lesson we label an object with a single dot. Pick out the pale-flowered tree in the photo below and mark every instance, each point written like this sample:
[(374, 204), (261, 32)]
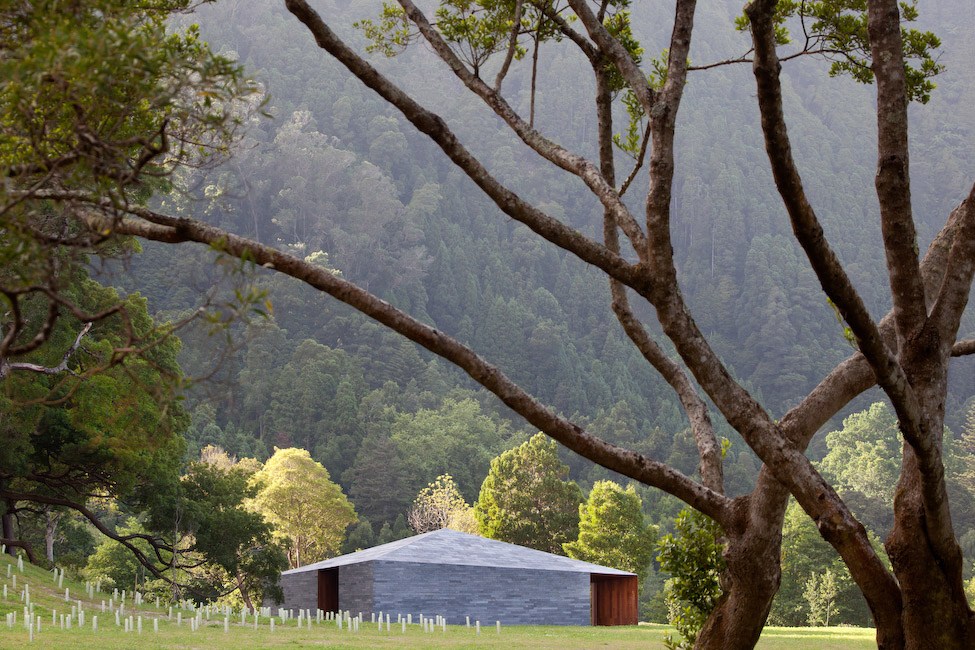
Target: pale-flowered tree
[(441, 505)]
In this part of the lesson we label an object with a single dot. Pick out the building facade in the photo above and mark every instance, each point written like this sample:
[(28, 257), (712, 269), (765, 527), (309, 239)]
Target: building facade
[(460, 576)]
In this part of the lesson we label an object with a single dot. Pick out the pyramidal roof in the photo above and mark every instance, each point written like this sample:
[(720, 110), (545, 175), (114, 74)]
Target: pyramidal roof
[(447, 546)]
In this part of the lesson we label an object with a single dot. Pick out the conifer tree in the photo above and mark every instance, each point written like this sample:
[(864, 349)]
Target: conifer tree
[(612, 530), (526, 500)]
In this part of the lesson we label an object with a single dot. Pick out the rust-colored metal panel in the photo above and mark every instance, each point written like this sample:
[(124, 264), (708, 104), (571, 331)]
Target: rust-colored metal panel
[(328, 590), (615, 600)]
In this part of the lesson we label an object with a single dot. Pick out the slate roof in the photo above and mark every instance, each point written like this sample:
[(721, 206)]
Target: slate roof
[(447, 546)]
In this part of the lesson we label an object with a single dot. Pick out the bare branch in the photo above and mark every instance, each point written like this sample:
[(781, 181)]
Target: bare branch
[(6, 367), (963, 348), (952, 296), (434, 127), (745, 58), (512, 46), (638, 165), (710, 464), (854, 375), (893, 176), (717, 64), (549, 150), (8, 347)]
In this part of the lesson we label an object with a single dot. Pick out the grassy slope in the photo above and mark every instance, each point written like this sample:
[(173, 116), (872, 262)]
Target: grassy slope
[(47, 597)]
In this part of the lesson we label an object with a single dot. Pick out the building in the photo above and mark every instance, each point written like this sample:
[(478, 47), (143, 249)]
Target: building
[(457, 575)]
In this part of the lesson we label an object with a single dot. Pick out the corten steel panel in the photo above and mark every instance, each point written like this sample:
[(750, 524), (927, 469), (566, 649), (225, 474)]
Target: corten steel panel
[(616, 600), (485, 594), (328, 590)]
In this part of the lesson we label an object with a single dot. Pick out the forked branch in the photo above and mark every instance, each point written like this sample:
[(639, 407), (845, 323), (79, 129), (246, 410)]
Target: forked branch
[(434, 127)]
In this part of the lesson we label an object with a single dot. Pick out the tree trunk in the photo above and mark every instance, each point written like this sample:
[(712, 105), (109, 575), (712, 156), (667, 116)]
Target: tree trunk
[(51, 520), (245, 596), (7, 520), (936, 611), (922, 546), (752, 572)]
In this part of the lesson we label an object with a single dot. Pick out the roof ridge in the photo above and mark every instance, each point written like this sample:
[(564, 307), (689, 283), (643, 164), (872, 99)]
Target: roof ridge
[(467, 549)]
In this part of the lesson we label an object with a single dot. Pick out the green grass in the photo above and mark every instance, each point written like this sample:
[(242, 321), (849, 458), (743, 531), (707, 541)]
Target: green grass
[(47, 597), (818, 638)]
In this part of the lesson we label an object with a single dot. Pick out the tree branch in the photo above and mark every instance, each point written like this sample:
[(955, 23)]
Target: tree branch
[(616, 53), (151, 225), (809, 233), (710, 465), (790, 467), (8, 347), (6, 367), (125, 540), (434, 127), (580, 41), (554, 153), (952, 296), (893, 177), (638, 165), (19, 543), (854, 375), (512, 46), (963, 348)]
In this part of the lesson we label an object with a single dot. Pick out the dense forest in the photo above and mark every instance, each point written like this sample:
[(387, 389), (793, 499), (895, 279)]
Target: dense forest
[(335, 171), (327, 170)]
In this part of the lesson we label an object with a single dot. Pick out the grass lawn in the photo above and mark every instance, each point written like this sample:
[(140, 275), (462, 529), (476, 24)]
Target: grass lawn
[(47, 597)]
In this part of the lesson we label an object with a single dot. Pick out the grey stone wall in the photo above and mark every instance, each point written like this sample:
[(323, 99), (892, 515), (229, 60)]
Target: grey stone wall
[(300, 591), (487, 594), (356, 588)]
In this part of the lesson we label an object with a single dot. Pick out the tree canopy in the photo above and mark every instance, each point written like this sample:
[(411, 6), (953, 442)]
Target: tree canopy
[(612, 530), (440, 505), (525, 498), (308, 511)]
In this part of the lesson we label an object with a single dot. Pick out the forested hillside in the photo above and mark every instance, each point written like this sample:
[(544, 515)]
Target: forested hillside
[(335, 170)]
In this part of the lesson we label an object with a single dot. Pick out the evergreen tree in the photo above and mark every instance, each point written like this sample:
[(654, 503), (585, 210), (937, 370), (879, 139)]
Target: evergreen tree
[(612, 530), (527, 500)]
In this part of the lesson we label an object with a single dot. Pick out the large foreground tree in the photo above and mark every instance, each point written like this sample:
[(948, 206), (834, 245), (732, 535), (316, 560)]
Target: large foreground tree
[(920, 602), (99, 99)]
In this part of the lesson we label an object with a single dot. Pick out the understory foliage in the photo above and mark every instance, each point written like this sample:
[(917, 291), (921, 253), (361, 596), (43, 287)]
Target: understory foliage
[(692, 557)]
